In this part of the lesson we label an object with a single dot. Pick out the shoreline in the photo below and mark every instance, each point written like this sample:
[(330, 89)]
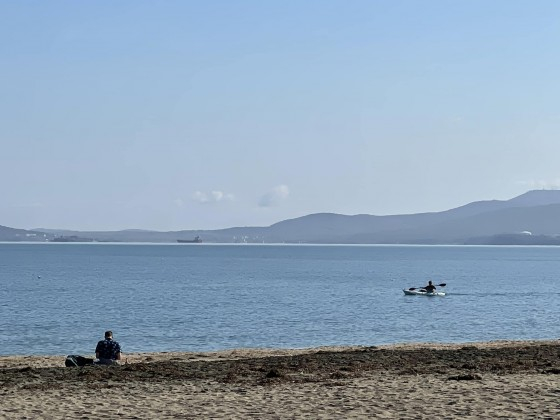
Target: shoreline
[(513, 379), (38, 361)]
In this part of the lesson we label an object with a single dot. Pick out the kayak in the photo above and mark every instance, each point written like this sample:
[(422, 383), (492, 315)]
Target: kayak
[(420, 292)]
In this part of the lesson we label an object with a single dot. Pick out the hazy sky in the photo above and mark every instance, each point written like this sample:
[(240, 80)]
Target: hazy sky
[(171, 115)]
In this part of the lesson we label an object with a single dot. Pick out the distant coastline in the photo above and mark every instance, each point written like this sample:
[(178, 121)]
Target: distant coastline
[(529, 219)]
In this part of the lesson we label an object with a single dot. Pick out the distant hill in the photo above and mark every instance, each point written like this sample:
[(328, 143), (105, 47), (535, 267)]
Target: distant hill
[(534, 213), (8, 234)]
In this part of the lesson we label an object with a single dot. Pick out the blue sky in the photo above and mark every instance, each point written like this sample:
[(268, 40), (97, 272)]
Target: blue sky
[(202, 115)]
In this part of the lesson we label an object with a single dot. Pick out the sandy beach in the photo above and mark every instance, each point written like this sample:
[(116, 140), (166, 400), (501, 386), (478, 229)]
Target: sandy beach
[(474, 380)]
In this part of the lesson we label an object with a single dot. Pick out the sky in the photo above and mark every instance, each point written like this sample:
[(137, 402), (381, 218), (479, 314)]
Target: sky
[(212, 114)]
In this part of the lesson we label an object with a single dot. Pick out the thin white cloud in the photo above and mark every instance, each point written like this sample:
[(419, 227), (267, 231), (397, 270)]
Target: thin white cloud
[(212, 197), (541, 184), (217, 195), (275, 196), (200, 197)]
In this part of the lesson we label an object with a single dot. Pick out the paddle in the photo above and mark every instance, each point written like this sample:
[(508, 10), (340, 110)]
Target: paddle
[(438, 285)]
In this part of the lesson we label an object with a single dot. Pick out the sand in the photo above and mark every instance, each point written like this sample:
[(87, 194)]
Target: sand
[(475, 380)]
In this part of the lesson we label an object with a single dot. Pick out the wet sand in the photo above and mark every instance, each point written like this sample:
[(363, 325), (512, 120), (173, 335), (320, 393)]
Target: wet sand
[(475, 380)]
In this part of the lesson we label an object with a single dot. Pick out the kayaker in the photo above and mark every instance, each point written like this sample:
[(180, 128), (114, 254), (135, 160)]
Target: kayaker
[(430, 288)]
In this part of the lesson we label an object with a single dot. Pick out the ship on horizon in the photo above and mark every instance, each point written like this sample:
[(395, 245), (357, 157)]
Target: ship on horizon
[(196, 240)]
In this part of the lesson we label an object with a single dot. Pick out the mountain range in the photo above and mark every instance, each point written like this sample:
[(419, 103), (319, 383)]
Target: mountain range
[(531, 218)]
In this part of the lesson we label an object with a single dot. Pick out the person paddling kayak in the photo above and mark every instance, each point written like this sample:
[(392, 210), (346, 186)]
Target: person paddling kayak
[(430, 288)]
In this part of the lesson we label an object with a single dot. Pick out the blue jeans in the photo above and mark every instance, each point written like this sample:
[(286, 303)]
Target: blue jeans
[(101, 361)]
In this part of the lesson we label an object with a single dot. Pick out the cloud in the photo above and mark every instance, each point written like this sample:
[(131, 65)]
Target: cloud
[(217, 195), (275, 196), (200, 197), (541, 184), (212, 197)]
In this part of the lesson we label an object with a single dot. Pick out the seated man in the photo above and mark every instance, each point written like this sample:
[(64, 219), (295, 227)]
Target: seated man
[(107, 351)]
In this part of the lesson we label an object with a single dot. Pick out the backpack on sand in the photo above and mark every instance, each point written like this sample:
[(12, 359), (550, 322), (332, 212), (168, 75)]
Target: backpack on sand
[(75, 360)]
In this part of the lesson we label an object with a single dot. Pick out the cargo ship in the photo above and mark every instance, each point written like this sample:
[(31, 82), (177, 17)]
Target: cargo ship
[(196, 240)]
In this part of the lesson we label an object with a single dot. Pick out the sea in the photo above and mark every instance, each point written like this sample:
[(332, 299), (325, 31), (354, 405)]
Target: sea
[(59, 298)]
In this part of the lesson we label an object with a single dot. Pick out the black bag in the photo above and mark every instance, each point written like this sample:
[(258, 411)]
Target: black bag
[(75, 360)]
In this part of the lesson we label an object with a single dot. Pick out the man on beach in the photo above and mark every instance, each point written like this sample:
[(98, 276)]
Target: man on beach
[(108, 351)]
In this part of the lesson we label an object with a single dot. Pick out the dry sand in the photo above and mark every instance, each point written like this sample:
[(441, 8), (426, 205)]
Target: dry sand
[(481, 380)]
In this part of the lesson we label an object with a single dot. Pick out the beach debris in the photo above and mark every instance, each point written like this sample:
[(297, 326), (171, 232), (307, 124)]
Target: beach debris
[(465, 377), (273, 373)]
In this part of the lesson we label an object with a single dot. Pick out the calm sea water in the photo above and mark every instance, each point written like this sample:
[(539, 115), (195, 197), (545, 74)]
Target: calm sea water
[(60, 298)]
